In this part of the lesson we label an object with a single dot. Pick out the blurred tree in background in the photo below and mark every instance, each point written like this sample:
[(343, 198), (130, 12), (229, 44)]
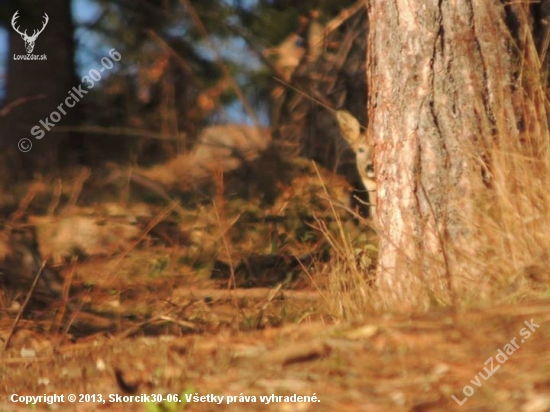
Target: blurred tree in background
[(184, 64), (35, 88)]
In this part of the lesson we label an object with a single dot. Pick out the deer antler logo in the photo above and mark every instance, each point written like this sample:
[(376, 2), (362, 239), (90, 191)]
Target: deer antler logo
[(29, 40)]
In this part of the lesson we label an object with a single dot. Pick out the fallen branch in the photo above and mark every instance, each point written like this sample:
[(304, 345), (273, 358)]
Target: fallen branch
[(254, 293)]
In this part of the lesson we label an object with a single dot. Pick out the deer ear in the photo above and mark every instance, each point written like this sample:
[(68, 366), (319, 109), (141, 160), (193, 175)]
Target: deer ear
[(349, 126)]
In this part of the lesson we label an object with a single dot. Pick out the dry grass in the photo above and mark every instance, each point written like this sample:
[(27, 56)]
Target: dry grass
[(349, 274), (512, 217)]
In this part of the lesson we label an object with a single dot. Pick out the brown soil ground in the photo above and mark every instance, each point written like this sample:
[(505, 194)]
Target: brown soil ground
[(213, 342)]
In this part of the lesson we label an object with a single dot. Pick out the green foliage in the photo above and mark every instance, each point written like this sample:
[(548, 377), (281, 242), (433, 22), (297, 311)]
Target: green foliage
[(158, 266), (170, 406)]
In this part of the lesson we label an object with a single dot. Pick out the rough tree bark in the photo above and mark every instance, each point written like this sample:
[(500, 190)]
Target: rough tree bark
[(441, 95), (34, 89)]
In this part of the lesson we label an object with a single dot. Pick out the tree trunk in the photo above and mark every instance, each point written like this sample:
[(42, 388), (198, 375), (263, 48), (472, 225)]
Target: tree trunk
[(441, 99), (35, 88)]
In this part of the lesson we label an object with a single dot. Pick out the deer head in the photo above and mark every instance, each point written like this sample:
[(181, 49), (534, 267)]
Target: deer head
[(350, 129), (29, 40)]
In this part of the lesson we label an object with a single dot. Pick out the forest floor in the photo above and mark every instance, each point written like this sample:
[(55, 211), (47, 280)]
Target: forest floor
[(228, 309), (495, 359)]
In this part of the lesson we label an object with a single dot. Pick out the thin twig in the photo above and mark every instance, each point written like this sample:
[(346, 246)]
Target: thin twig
[(267, 302), (219, 60), (18, 102), (24, 305), (67, 326), (253, 293), (159, 218), (117, 131), (34, 188), (65, 293)]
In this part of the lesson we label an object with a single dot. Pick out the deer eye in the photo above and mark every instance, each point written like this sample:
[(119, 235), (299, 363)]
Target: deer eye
[(361, 150)]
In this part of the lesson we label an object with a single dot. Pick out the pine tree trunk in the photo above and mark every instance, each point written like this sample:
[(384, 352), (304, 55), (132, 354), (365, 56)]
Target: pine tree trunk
[(439, 76), (35, 89)]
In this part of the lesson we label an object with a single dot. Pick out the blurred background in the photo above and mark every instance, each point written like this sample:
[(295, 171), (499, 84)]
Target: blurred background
[(184, 65), (213, 109)]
